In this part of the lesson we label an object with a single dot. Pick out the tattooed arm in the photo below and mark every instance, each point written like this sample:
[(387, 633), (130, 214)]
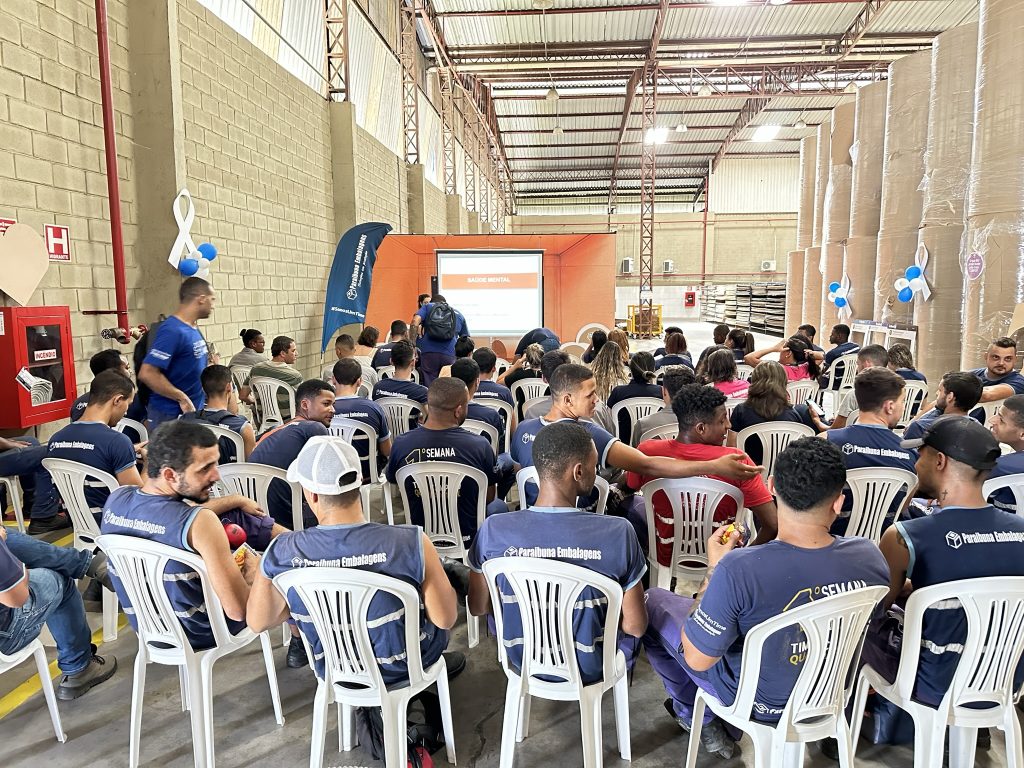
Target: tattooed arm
[(897, 555)]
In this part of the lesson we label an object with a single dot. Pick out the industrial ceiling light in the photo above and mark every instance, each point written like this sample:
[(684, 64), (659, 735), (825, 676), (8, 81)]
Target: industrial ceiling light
[(551, 95), (557, 130), (656, 136), (766, 132), (800, 125), (681, 128), (543, 5), (704, 91), (778, 2)]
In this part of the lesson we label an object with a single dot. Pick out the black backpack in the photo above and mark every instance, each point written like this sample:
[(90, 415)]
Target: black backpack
[(425, 731), (138, 355), (441, 323), (217, 419)]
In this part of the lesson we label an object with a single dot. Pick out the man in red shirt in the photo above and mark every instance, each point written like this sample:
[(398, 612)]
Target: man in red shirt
[(703, 424)]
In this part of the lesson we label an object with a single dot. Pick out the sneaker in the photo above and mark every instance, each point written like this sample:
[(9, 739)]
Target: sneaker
[(830, 749), (73, 686), (455, 661), (297, 657), (58, 522), (713, 736), (99, 571)]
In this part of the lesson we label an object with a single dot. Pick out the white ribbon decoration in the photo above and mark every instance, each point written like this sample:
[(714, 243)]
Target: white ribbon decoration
[(921, 261), (184, 239), (845, 312)]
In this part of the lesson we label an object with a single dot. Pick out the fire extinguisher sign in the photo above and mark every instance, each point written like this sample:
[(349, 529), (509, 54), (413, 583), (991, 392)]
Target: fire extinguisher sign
[(58, 242)]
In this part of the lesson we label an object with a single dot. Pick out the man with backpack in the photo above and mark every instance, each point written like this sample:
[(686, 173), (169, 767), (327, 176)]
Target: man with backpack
[(437, 325), (221, 410)]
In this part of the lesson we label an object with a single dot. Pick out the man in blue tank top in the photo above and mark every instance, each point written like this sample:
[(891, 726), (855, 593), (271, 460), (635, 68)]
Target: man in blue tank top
[(328, 469), (221, 410), (746, 586), (966, 539), (554, 529), (174, 507), (1008, 427), (348, 377)]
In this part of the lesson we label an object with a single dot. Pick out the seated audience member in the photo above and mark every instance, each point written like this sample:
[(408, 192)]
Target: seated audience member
[(675, 352), (468, 372), (489, 388), (39, 585), (703, 422), (871, 356), (280, 366), (794, 355), (574, 396), (610, 370), (807, 331), (718, 336), (1008, 427), (314, 405), (344, 348), (901, 360), (547, 339), (526, 367), (597, 340), (382, 356), (366, 345), (551, 360), (956, 454), (618, 337), (252, 352), (641, 369), (746, 586), (767, 400), (840, 337), (740, 342), (463, 349), (998, 378), (555, 529), (676, 377), (442, 438), (174, 507), (328, 470), (669, 330), (347, 403), (218, 411), (871, 442), (92, 442), (721, 373), (23, 457), (106, 360), (400, 383), (956, 395)]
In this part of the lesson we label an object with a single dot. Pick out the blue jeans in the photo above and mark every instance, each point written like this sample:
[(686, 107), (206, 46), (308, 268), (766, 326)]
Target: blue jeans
[(53, 600), (66, 561), (154, 418), (27, 463)]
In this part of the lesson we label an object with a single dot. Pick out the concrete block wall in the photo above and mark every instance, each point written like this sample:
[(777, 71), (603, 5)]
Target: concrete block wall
[(434, 210), (382, 183)]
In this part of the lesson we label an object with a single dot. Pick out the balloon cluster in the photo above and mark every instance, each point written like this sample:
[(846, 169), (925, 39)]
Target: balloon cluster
[(198, 263), (837, 294), (912, 282)]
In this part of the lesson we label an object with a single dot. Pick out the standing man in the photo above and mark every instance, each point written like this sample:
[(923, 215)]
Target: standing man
[(382, 357), (175, 361), (437, 326)]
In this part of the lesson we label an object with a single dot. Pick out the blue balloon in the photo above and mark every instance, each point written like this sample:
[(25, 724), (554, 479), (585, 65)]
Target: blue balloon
[(840, 302), (906, 295), (208, 251), (188, 267), (912, 272), (833, 287)]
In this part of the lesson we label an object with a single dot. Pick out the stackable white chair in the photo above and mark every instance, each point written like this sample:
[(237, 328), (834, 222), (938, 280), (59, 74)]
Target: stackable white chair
[(528, 389), (743, 371), (547, 592), (732, 402), (529, 475), (1014, 482), (991, 651), (991, 409), (438, 483), (873, 490), (774, 437), (916, 396), (533, 402), (694, 501), (585, 333), (240, 375), (500, 366), (506, 411), (837, 386), (834, 629), (223, 433), (265, 390), (13, 486), (337, 602), (385, 372), (135, 426), (36, 652), (140, 566), (478, 427), (801, 391), (350, 431), (70, 479), (253, 481), (400, 412), (637, 408), (664, 432)]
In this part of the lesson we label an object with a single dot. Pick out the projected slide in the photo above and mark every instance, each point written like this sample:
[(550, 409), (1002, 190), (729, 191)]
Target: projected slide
[(499, 292)]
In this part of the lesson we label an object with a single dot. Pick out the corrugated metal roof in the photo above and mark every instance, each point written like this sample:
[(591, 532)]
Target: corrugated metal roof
[(915, 15), (477, 6), (560, 28), (715, 21)]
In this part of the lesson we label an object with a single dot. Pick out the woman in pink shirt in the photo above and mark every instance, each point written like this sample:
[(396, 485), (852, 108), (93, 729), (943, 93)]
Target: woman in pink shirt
[(721, 374), (794, 356)]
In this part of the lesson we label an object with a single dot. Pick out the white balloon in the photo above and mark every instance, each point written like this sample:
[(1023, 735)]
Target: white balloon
[(831, 296), (917, 284), (204, 264), (203, 274), (841, 293), (902, 283)]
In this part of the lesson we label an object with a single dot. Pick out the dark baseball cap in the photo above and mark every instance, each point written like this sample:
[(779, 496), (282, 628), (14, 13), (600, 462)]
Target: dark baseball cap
[(962, 439)]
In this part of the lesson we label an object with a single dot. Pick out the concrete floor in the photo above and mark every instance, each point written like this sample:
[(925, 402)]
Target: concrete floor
[(246, 734)]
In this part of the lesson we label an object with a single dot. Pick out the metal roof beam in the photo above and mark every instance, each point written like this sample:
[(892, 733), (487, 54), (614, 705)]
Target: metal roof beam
[(608, 8), (856, 31)]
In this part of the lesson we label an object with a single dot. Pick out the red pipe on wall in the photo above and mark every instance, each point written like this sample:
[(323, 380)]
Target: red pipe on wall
[(113, 191)]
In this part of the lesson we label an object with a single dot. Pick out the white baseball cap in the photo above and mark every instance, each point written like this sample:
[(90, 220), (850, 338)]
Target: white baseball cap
[(327, 465)]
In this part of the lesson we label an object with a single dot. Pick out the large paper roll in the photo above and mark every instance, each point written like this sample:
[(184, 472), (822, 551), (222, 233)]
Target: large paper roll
[(836, 226), (859, 268), (939, 326), (812, 287), (866, 153), (808, 177), (993, 267), (794, 289), (824, 140)]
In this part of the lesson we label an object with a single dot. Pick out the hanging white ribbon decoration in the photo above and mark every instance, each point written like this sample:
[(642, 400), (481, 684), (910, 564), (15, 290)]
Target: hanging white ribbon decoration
[(921, 262), (845, 311), (184, 239)]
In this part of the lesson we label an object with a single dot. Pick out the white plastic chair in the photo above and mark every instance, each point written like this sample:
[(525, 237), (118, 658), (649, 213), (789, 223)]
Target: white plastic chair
[(337, 601), (400, 412), (743, 371), (35, 650), (774, 437), (136, 426), (991, 651), (500, 366), (732, 402), (991, 409), (385, 372), (585, 333), (265, 390), (837, 386), (13, 486), (240, 375), (872, 490), (547, 592), (916, 396), (529, 475), (351, 430), (664, 432), (505, 410), (527, 389), (834, 630), (533, 402), (574, 349), (370, 377), (478, 427), (1014, 482), (637, 408), (70, 479), (140, 564), (694, 501), (801, 391), (438, 484), (223, 433), (253, 481)]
